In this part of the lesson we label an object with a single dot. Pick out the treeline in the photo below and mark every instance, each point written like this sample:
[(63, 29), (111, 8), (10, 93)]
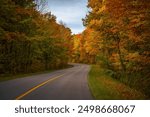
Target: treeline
[(86, 47), (117, 36), (30, 40)]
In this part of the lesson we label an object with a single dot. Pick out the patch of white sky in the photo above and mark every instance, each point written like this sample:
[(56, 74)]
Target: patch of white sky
[(71, 12)]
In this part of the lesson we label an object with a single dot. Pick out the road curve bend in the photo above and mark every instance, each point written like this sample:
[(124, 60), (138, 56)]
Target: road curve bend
[(66, 84)]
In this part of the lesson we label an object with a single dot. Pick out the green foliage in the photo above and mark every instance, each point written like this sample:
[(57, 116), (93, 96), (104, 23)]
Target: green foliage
[(30, 41), (105, 87)]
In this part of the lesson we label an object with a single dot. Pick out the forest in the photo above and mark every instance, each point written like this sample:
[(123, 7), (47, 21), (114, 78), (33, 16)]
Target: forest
[(30, 40), (116, 37)]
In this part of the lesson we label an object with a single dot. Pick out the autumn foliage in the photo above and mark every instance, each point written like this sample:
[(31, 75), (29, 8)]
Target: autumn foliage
[(117, 36), (30, 40)]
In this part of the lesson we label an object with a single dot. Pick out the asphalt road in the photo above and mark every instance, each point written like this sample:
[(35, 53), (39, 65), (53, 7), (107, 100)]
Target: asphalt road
[(67, 84)]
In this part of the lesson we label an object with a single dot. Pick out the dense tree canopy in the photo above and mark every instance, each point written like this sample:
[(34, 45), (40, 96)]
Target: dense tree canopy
[(120, 31), (116, 36), (30, 40)]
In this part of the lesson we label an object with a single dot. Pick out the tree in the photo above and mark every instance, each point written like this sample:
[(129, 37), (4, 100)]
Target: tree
[(123, 26), (86, 46), (31, 40)]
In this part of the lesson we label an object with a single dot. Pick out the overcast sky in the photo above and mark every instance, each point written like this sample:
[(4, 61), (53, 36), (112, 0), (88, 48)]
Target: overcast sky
[(70, 12)]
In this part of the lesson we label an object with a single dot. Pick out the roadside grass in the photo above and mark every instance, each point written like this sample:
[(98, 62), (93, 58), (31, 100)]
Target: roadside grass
[(103, 87), (6, 77)]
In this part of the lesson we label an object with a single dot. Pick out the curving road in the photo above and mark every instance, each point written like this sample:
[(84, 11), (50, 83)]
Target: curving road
[(67, 84)]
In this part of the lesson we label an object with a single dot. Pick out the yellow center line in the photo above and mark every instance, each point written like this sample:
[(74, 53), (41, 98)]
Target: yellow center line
[(36, 87)]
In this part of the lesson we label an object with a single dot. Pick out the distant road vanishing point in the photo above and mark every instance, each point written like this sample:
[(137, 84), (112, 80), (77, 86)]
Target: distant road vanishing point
[(66, 84)]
